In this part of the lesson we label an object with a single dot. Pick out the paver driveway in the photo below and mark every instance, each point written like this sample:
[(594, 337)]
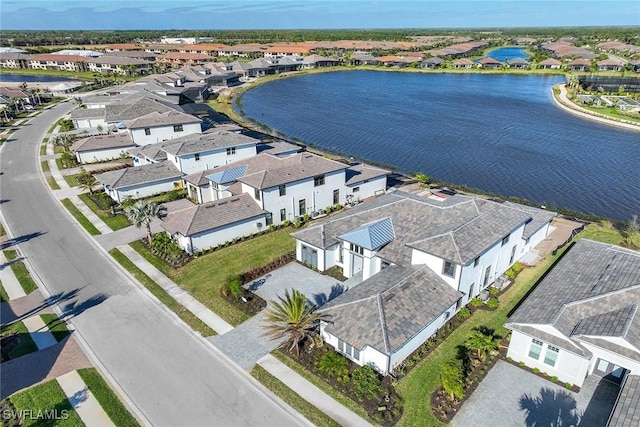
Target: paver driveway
[(497, 402)]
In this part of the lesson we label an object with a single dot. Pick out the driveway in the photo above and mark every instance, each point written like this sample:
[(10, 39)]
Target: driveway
[(498, 400), (244, 344)]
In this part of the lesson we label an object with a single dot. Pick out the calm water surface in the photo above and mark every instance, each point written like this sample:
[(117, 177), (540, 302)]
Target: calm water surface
[(505, 53), (499, 133), (15, 77)]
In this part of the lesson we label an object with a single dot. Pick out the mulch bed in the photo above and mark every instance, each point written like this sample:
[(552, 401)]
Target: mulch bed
[(251, 305), (385, 407), (176, 262)]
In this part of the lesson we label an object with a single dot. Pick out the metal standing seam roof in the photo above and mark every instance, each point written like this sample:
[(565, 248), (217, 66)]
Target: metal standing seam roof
[(371, 236), (229, 175)]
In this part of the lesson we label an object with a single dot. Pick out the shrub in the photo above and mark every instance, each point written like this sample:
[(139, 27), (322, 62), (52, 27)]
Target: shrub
[(493, 291), (328, 209), (521, 364), (225, 289), (568, 386), (536, 371), (452, 379), (554, 379), (332, 364), (305, 217), (235, 286), (517, 267), (286, 223), (366, 382), (476, 302), (493, 303), (297, 224), (510, 274), (464, 313)]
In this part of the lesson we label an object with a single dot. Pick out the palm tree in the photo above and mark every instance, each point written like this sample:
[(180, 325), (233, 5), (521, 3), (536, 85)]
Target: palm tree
[(481, 342), (62, 140), (292, 318), (86, 181), (143, 212)]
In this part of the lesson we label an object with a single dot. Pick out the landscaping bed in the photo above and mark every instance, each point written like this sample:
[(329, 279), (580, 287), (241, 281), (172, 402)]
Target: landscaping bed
[(104, 207), (15, 341)]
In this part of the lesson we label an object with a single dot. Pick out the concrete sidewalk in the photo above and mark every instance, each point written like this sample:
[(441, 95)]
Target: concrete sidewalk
[(126, 235), (214, 321), (83, 401), (311, 393), (86, 211), (39, 332), (9, 281)]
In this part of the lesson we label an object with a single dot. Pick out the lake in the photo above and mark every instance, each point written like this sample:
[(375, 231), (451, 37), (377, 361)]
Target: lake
[(30, 78), (499, 133), (505, 53)]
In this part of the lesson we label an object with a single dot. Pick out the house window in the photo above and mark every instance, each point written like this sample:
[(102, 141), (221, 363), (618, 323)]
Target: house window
[(256, 194), (487, 273), (231, 151), (513, 255), (302, 206), (551, 355), (336, 197), (283, 214), (341, 254), (357, 249), (476, 262), (535, 349), (177, 128), (282, 189), (197, 156), (147, 131), (449, 269), (348, 350), (505, 239), (268, 218), (318, 180), (356, 189)]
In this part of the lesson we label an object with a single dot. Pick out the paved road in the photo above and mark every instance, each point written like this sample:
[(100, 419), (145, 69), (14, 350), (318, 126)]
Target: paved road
[(173, 376)]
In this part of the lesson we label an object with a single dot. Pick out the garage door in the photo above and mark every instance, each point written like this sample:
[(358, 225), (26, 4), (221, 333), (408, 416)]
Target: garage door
[(310, 256)]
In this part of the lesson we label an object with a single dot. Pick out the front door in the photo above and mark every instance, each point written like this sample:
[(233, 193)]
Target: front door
[(356, 264), (609, 371), (302, 207)]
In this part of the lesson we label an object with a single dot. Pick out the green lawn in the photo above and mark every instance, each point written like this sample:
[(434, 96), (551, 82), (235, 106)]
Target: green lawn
[(184, 314), (107, 398), (72, 180), (21, 272), (606, 235), (204, 276), (309, 411), (26, 344), (43, 149), (46, 399), (56, 326), (2, 230), (3, 294), (606, 111), (58, 149), (45, 166), (79, 216), (114, 222)]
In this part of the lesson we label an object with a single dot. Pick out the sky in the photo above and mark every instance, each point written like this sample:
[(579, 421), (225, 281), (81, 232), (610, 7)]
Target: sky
[(306, 14)]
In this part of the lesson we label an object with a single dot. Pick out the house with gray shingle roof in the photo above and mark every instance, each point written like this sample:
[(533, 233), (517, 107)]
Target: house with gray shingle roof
[(465, 243), (140, 181), (161, 126), (87, 118), (206, 225), (98, 148), (582, 319), (626, 412)]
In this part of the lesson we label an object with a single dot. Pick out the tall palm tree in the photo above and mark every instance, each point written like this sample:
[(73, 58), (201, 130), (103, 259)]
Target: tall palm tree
[(62, 140), (143, 212), (86, 181), (481, 342), (292, 318)]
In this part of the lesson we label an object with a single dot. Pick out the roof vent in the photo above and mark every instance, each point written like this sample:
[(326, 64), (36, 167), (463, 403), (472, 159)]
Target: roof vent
[(405, 286), (388, 297)]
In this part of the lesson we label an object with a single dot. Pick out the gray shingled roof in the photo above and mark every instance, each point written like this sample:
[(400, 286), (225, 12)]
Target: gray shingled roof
[(390, 308), (85, 113), (539, 218), (212, 139), (587, 296), (166, 118), (136, 106), (127, 177), (101, 142), (277, 147), (150, 151), (627, 410), (458, 229), (362, 172), (212, 215)]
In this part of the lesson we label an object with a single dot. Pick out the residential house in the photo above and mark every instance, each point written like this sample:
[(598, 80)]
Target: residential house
[(550, 64), (14, 60), (140, 181), (462, 63), (99, 148), (282, 50), (147, 155), (610, 65), (317, 61), (178, 59), (566, 48), (207, 225), (157, 127), (50, 61), (433, 62), (247, 50), (88, 118), (626, 412), (518, 64), (397, 61), (136, 54), (119, 65), (489, 63), (581, 319), (579, 64), (363, 58), (634, 65), (465, 243), (460, 49), (22, 96)]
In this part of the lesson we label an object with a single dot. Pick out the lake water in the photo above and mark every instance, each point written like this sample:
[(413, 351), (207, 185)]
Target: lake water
[(499, 133), (505, 53), (15, 77)]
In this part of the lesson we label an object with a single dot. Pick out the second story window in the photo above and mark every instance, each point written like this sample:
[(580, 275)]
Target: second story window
[(256, 193), (231, 151), (357, 249), (177, 128), (197, 156), (147, 131), (449, 269), (282, 189), (318, 180), (505, 240)]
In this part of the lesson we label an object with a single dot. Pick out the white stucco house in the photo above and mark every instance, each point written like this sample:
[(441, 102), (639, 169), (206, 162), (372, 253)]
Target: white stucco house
[(88, 118), (157, 127), (140, 181), (206, 225), (465, 242), (582, 318), (99, 148)]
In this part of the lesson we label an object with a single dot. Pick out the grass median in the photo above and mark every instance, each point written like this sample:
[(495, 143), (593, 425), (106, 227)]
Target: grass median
[(56, 326), (310, 412), (21, 272), (109, 401), (184, 314), (45, 399), (79, 216)]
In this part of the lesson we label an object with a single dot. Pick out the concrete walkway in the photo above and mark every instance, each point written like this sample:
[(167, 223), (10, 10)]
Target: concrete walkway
[(214, 321), (9, 281), (39, 332), (95, 220), (57, 176), (126, 235), (83, 401), (311, 393)]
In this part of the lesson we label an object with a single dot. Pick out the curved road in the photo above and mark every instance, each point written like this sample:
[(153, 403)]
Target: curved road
[(173, 376)]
